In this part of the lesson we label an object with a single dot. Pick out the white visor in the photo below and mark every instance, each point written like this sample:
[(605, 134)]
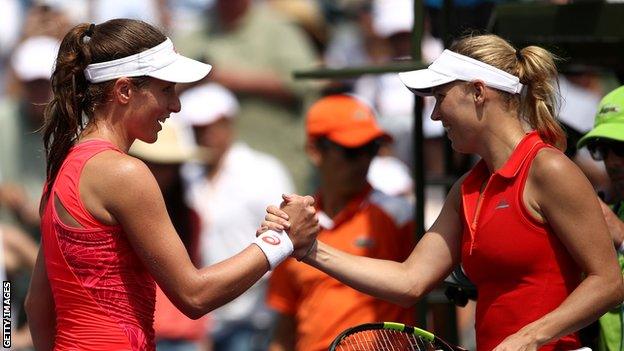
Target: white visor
[(161, 62), (451, 66)]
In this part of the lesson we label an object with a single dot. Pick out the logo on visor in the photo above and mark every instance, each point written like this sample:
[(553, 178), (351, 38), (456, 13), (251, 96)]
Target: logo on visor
[(609, 109)]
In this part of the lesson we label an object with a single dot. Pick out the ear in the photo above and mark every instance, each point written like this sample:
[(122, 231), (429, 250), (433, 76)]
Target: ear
[(123, 89), (314, 154), (479, 91)]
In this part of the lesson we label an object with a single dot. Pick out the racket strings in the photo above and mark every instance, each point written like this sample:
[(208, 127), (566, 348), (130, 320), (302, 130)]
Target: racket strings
[(384, 340)]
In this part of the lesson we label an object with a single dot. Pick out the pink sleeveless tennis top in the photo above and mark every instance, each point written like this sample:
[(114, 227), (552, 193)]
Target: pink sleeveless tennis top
[(104, 296)]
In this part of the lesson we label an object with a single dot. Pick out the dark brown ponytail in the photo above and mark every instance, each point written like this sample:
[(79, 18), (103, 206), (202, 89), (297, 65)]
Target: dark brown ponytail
[(63, 115)]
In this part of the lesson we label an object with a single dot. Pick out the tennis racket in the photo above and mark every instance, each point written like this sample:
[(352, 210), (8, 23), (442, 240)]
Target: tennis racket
[(389, 336)]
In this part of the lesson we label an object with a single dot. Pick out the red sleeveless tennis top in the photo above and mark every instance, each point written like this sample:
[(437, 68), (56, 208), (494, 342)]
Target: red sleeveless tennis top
[(521, 269), (104, 297)]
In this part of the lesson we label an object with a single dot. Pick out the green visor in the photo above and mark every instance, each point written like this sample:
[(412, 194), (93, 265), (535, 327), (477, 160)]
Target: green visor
[(609, 122), (613, 131)]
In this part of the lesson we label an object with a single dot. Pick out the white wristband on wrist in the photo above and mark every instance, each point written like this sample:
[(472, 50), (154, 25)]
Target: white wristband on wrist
[(621, 248), (275, 246)]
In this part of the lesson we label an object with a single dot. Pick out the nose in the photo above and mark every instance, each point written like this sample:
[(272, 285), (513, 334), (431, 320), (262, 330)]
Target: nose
[(435, 114), (174, 104)]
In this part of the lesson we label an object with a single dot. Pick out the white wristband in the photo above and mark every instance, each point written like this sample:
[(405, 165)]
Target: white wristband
[(276, 246), (621, 248)]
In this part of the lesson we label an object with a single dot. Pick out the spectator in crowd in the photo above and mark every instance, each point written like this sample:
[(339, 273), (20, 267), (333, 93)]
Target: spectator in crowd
[(605, 142), (22, 160), (343, 137), (18, 253), (254, 51), (173, 330), (230, 192)]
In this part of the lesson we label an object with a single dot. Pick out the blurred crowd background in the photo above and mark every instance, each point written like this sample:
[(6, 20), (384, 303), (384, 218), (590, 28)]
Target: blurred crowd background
[(254, 47)]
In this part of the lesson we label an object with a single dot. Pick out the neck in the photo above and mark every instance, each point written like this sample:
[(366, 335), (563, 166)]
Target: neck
[(500, 140), (104, 126)]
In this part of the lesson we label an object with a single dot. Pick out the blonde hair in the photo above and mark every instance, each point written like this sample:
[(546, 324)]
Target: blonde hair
[(535, 66)]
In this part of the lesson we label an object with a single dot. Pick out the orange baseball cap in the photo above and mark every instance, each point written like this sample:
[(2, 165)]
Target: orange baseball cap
[(343, 119)]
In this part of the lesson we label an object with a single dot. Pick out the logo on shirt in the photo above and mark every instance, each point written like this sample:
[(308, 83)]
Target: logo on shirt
[(502, 204)]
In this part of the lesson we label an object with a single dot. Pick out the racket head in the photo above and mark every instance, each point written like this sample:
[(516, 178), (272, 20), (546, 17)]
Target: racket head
[(389, 336)]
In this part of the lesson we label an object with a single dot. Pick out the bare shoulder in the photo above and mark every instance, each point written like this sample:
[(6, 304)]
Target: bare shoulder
[(111, 179), (556, 180), (552, 167), (115, 164)]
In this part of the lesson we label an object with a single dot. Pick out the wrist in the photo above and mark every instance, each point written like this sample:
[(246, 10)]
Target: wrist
[(275, 246), (308, 251)]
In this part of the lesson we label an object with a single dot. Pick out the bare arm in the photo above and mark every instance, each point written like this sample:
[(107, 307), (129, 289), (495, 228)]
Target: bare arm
[(133, 198), (40, 307), (284, 335), (400, 282), (565, 198)]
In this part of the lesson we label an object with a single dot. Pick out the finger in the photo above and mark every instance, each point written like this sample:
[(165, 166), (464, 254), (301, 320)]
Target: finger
[(275, 219), (273, 226), (308, 200), (274, 210), (261, 230)]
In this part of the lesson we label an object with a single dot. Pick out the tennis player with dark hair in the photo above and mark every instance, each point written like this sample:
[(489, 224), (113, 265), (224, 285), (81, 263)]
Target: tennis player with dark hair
[(105, 229), (524, 222)]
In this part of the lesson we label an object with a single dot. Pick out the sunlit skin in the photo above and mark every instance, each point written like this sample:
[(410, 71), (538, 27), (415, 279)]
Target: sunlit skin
[(137, 113), (153, 103)]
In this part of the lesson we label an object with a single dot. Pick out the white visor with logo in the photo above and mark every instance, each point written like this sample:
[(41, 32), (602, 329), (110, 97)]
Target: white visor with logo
[(161, 62), (451, 66)]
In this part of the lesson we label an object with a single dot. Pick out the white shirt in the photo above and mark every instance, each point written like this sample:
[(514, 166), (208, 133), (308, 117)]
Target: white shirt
[(232, 206)]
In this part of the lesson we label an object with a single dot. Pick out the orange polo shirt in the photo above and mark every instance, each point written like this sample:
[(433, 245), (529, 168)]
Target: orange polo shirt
[(373, 225)]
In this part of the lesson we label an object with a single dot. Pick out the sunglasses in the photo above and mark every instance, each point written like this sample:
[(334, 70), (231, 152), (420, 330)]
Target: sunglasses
[(370, 149), (600, 148)]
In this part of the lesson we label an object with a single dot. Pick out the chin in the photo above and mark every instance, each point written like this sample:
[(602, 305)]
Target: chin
[(150, 139)]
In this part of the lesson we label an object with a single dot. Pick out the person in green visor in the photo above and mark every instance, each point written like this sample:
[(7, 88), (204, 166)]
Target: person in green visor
[(606, 143)]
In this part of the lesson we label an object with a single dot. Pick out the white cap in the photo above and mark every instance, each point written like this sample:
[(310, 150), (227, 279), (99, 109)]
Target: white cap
[(451, 66), (161, 62), (35, 57), (205, 104), (392, 16)]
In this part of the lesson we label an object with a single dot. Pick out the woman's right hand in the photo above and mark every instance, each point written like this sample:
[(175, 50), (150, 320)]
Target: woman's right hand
[(297, 217)]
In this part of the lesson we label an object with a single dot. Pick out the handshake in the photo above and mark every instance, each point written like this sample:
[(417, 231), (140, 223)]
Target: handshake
[(288, 230)]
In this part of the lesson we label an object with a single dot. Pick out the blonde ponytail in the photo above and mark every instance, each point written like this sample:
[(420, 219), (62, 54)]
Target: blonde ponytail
[(539, 103)]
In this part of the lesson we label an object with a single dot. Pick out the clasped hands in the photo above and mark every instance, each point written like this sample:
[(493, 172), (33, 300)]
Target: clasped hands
[(296, 216)]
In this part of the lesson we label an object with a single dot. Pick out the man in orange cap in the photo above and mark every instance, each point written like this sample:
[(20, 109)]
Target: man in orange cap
[(342, 139)]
